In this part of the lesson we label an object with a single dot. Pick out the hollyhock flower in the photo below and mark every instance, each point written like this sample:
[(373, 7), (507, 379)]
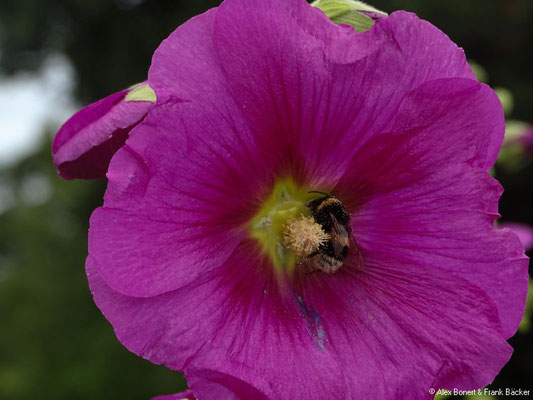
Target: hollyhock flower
[(518, 133), (526, 140), (85, 144), (194, 257)]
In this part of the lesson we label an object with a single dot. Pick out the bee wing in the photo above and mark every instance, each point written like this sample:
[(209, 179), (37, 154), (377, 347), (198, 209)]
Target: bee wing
[(339, 235), (342, 236), (356, 256)]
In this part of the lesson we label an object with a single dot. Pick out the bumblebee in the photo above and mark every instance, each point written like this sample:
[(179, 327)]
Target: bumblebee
[(330, 214)]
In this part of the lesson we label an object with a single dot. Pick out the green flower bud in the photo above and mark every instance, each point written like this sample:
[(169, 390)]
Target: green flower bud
[(141, 92), (350, 12)]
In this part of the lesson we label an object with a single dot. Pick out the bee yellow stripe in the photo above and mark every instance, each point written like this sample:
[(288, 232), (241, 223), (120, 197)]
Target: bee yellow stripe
[(327, 202)]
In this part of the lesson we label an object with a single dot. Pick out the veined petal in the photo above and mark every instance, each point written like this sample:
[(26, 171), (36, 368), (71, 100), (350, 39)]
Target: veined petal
[(447, 220), (423, 192), (325, 87), (406, 328), (325, 338), (212, 384), (458, 118), (234, 307), (318, 88), (84, 145), (180, 194), (185, 65)]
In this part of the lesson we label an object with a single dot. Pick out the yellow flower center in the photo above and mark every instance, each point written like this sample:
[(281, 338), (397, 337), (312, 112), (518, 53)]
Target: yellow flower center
[(284, 227)]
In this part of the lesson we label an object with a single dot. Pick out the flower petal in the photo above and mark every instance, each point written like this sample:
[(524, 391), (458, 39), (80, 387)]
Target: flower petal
[(85, 144), (234, 308), (211, 384), (423, 192), (444, 121), (407, 327), (185, 65), (325, 87), (300, 80), (396, 324), (459, 118), (180, 194)]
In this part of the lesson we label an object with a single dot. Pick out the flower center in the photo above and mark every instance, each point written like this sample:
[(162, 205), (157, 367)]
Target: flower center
[(284, 227)]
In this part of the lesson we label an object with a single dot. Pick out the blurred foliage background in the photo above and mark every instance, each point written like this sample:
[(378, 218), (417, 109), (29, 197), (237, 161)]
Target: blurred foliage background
[(54, 343)]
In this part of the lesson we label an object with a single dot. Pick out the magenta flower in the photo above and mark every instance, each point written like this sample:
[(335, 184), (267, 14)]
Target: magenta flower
[(85, 144), (527, 140), (202, 256)]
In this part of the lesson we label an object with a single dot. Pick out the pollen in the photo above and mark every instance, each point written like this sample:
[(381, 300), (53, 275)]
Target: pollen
[(303, 235)]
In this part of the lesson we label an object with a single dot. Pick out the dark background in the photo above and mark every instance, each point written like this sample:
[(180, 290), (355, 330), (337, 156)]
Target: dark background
[(54, 343)]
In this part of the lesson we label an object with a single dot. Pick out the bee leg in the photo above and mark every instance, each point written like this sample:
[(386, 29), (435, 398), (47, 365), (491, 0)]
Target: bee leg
[(313, 271), (307, 257)]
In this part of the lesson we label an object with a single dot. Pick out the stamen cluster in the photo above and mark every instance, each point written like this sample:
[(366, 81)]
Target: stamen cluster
[(303, 235)]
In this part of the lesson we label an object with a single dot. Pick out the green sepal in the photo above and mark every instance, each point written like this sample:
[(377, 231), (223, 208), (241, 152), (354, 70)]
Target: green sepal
[(141, 92), (348, 12)]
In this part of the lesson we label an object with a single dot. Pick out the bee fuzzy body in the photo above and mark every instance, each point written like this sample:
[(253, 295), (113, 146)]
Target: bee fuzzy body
[(329, 212), (326, 264)]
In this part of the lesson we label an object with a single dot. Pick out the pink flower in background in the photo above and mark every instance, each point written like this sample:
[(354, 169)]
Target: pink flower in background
[(258, 103), (517, 149), (85, 144), (527, 140)]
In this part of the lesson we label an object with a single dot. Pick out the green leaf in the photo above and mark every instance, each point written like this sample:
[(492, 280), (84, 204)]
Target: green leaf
[(141, 92), (348, 12)]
